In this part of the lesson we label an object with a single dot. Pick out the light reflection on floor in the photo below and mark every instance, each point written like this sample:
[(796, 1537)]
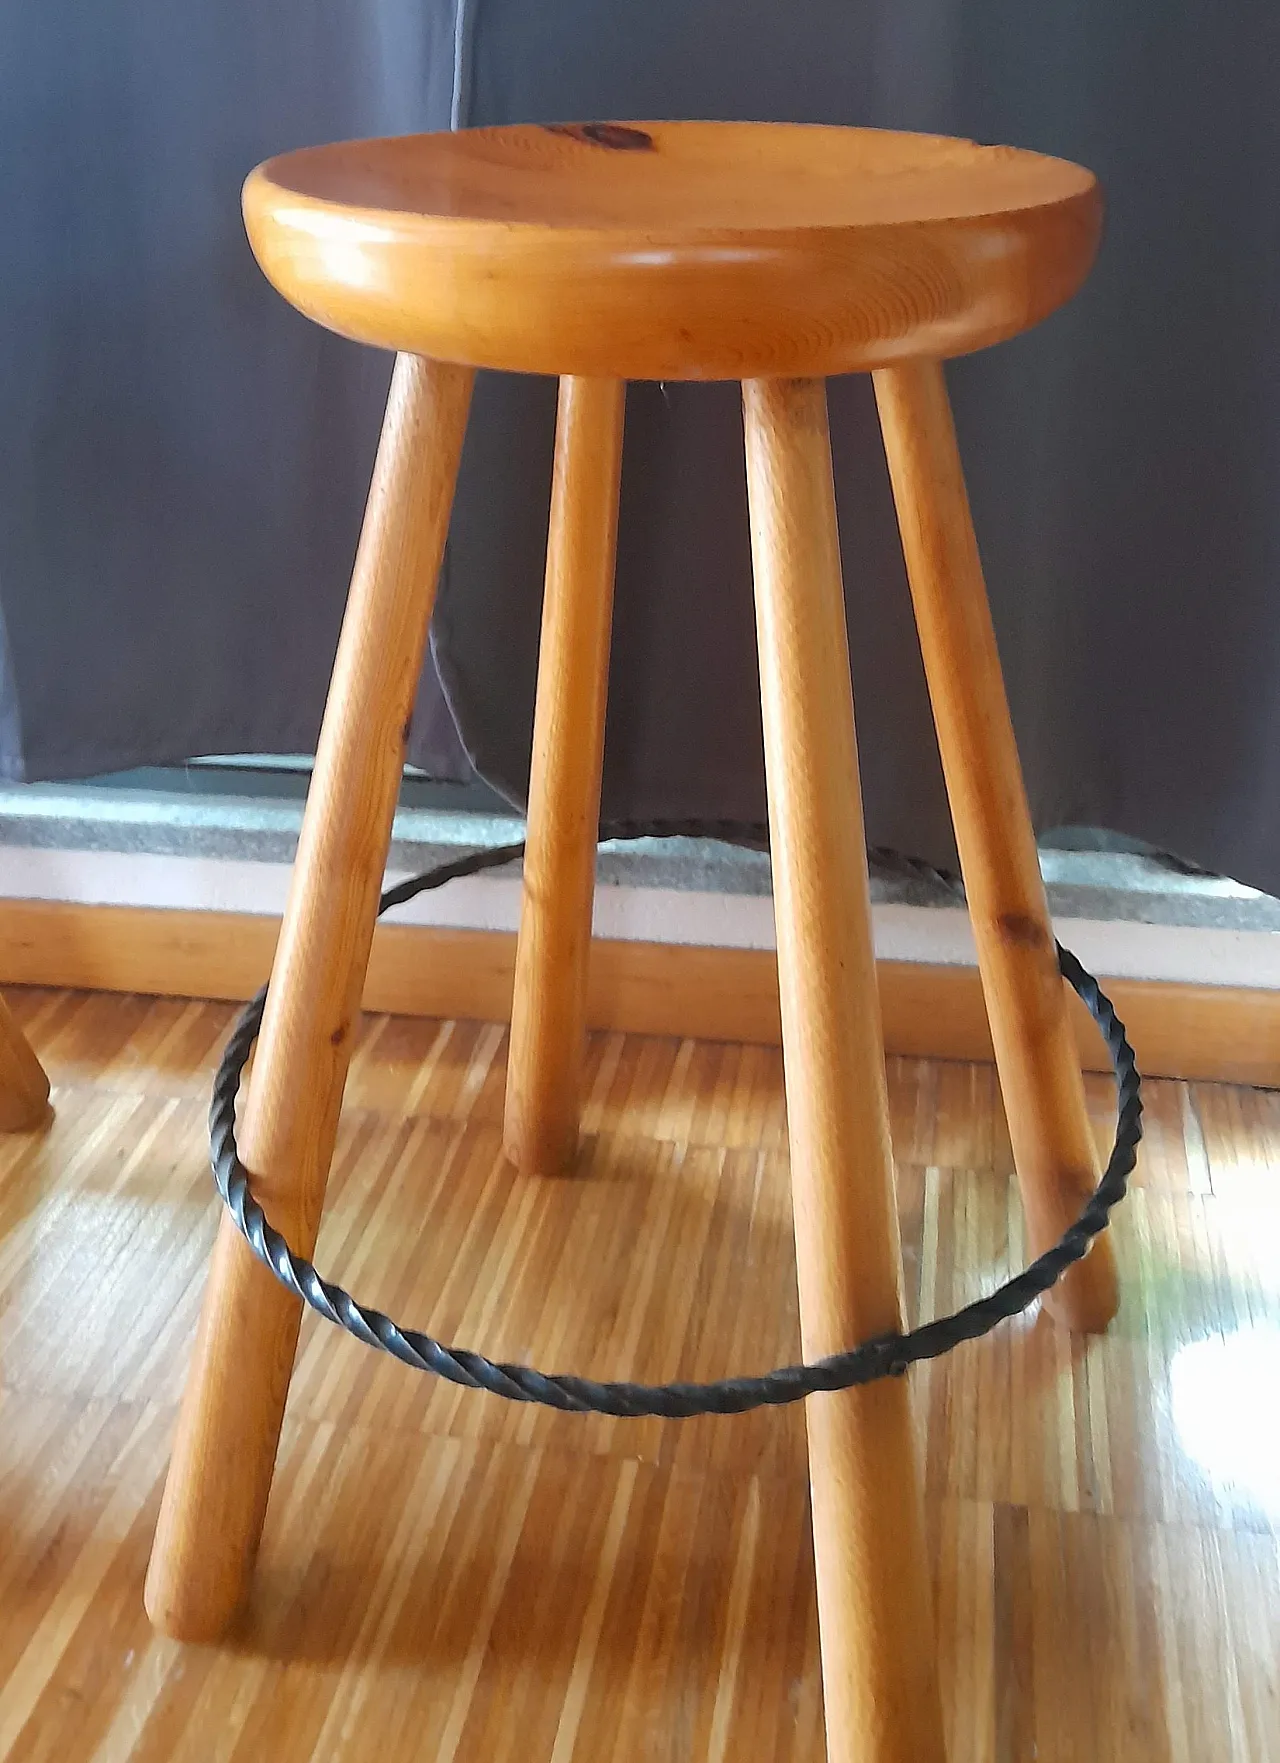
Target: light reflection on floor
[(1225, 1398)]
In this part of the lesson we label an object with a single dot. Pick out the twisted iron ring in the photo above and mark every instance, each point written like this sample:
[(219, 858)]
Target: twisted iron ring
[(883, 1356)]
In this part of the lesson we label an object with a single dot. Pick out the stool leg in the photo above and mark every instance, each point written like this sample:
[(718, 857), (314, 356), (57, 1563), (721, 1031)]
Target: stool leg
[(1039, 1067), (24, 1088), (548, 1014), (878, 1653), (216, 1494)]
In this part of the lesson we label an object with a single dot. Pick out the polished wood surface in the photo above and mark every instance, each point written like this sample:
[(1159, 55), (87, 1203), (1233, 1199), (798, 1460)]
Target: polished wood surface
[(24, 1088), (1222, 1034), (674, 250), (1026, 996), (218, 1483), (445, 1576), (879, 1670), (548, 1012)]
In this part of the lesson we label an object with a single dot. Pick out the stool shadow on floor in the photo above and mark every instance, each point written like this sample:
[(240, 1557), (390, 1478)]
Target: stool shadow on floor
[(523, 1551)]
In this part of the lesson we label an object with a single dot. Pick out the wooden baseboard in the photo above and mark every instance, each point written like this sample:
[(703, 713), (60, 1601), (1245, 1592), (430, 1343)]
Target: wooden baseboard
[(1215, 1033)]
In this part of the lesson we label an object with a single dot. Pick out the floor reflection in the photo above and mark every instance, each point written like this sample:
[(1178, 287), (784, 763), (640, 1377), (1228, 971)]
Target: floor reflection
[(1223, 1393)]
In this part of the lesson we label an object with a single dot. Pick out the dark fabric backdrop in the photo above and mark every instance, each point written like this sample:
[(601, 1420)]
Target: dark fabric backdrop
[(182, 459)]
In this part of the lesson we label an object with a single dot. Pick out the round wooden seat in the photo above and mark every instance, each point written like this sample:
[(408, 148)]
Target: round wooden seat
[(674, 250)]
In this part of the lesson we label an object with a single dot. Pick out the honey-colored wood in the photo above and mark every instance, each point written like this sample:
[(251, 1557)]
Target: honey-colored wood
[(879, 1677), (1221, 1034), (444, 1575), (674, 250), (1026, 997), (24, 1088), (220, 1475), (548, 1014)]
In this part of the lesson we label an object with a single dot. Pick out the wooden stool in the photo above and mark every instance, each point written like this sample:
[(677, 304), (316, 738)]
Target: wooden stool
[(776, 255)]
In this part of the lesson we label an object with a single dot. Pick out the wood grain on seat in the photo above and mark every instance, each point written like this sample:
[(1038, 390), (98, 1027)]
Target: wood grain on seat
[(674, 250)]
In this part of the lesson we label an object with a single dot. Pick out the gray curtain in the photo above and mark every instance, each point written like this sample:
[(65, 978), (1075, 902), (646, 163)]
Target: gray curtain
[(184, 459)]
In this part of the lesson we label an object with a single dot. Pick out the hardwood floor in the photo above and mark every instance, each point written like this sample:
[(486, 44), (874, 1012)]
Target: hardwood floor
[(448, 1578)]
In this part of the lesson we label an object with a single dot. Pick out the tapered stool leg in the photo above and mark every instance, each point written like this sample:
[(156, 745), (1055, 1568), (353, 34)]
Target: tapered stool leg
[(548, 1016), (24, 1088), (220, 1475), (1026, 996), (878, 1658)]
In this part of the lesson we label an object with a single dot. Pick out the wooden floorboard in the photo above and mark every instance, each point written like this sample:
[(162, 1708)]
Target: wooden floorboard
[(450, 1579)]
